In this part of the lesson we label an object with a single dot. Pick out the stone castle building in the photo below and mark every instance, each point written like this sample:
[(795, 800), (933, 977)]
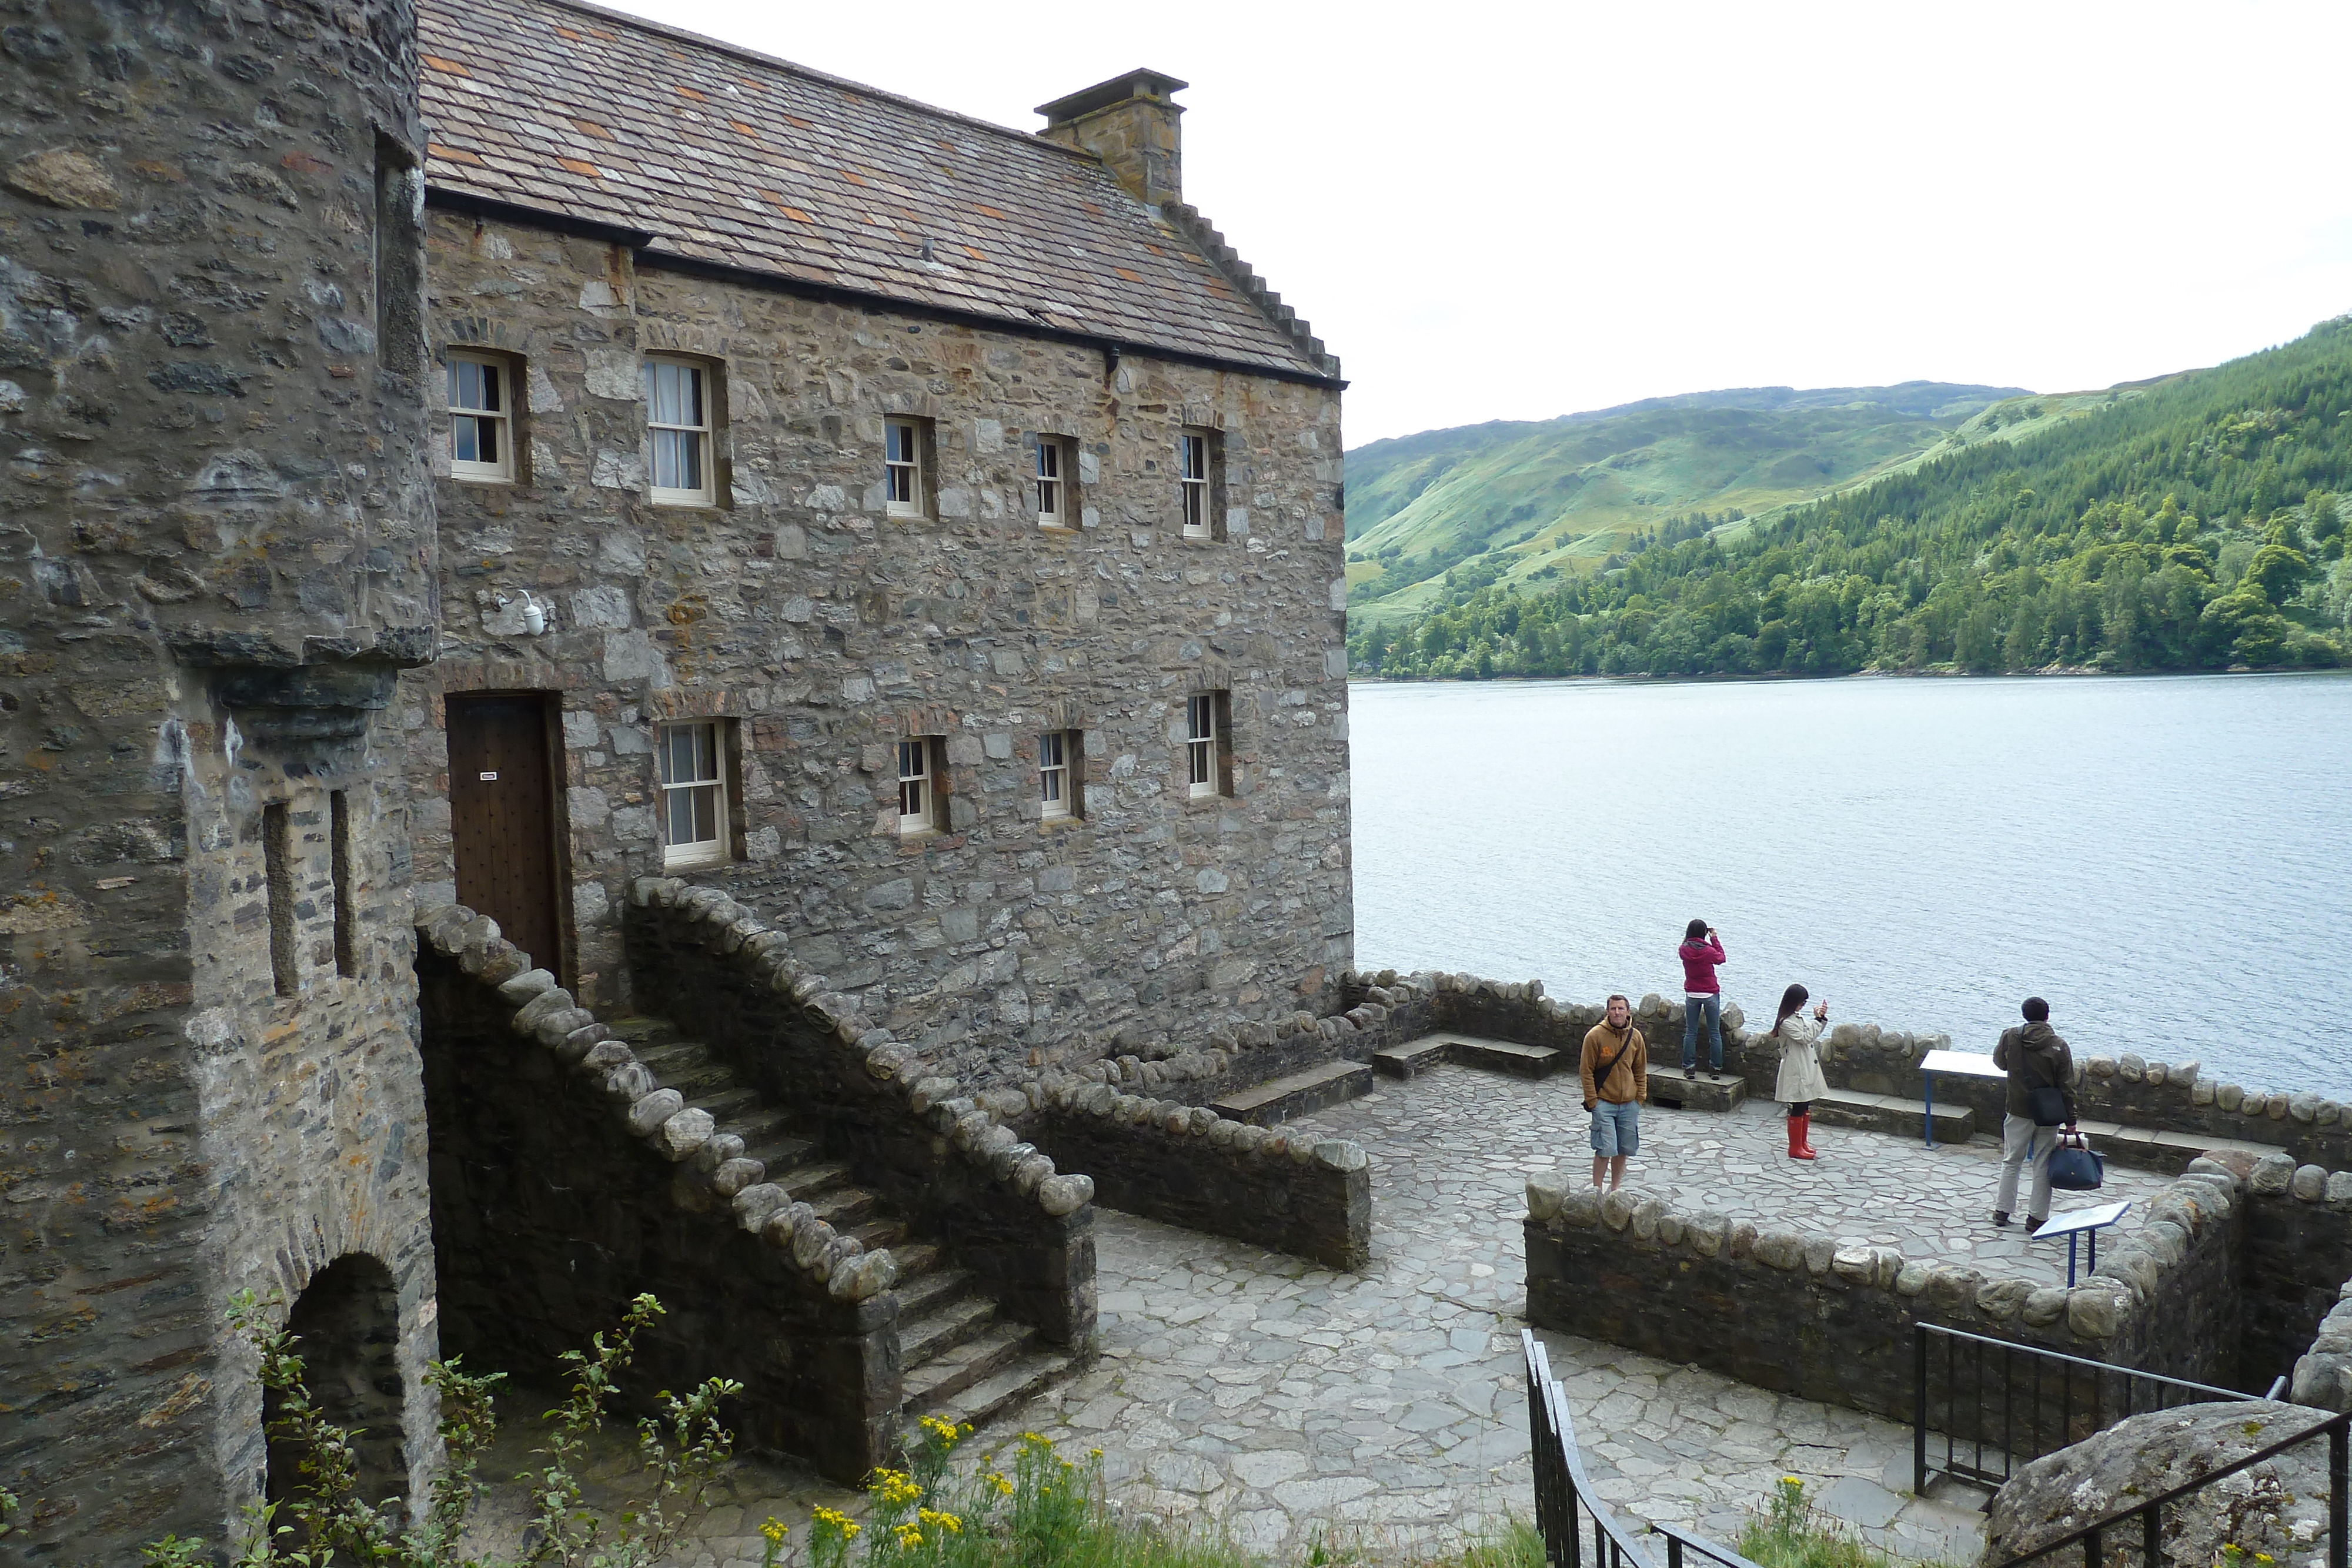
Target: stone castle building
[(636, 458)]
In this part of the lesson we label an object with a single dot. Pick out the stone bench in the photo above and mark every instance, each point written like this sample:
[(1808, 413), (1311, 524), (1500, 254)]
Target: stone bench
[(1298, 1095), (1418, 1056), (1890, 1113), (1725, 1093), (2161, 1150)]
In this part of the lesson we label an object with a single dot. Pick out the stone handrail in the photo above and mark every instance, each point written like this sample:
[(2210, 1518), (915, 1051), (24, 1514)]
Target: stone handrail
[(833, 1264)]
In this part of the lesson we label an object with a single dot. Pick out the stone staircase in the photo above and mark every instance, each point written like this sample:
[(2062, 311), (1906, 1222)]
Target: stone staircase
[(960, 1359)]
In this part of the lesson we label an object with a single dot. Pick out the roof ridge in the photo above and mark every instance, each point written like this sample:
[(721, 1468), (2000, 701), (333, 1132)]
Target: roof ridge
[(704, 40), (1206, 238)]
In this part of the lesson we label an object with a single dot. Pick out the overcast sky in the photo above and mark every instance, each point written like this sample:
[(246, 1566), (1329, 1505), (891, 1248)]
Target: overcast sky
[(1492, 210)]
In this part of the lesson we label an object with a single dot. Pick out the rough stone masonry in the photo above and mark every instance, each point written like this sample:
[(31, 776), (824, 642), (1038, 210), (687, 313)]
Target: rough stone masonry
[(236, 271)]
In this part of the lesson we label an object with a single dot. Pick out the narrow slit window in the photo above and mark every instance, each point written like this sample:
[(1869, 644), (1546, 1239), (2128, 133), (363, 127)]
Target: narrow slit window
[(1057, 787), (347, 962), (1204, 743), (481, 422), (1052, 489), (902, 464), (694, 796), (919, 796), (1192, 470), (677, 398), (278, 871)]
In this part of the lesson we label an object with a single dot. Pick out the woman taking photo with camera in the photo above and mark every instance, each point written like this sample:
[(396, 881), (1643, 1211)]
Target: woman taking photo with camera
[(1800, 1082)]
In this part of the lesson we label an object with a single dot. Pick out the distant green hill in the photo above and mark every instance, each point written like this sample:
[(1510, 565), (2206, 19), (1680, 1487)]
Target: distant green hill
[(1564, 495), (2191, 522)]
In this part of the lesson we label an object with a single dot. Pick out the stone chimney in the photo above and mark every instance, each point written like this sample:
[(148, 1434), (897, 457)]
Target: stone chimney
[(1129, 122)]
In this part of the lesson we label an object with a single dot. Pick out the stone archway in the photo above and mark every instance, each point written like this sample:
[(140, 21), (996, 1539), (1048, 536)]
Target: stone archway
[(346, 1325)]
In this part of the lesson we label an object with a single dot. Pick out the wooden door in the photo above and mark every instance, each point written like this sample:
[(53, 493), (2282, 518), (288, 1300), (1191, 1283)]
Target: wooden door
[(502, 819)]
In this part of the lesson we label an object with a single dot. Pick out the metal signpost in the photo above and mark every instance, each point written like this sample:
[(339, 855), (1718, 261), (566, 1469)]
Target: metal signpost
[(1960, 1064), (2081, 1222)]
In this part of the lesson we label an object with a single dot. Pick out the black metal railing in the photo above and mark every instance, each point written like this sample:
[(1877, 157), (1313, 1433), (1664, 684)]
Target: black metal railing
[(1564, 1496), (1995, 1405), (2145, 1519)]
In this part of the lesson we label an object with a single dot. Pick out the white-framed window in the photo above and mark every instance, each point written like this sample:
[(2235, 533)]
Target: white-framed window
[(481, 418), (677, 408), (1204, 743), (1193, 455), (1058, 751), (902, 468), (694, 796), (919, 784), (1054, 505)]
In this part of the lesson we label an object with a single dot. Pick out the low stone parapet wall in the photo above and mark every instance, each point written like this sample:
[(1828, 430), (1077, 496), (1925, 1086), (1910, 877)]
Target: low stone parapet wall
[(1811, 1315), (1185, 1165)]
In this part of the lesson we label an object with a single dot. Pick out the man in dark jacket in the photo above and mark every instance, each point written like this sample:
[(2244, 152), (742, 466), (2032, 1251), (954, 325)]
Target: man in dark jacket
[(2036, 1058)]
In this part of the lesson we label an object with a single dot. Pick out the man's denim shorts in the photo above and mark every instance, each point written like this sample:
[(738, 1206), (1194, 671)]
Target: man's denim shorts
[(1616, 1129)]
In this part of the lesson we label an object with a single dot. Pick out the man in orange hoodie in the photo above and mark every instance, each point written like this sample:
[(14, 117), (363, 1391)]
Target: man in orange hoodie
[(1616, 1082)]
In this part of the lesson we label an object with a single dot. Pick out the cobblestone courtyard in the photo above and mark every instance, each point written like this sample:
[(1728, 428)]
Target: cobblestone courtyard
[(1281, 1402)]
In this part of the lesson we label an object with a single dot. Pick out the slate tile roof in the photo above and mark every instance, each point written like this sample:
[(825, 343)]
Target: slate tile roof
[(731, 157)]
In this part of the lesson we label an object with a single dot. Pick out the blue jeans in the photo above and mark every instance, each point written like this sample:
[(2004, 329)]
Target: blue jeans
[(1616, 1129), (1712, 1010)]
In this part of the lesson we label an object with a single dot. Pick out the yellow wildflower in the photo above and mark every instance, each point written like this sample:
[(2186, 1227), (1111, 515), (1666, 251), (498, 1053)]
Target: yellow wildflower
[(1094, 1453), (1000, 1483), (773, 1530), (909, 1537), (833, 1518), (946, 1522), (1792, 1481)]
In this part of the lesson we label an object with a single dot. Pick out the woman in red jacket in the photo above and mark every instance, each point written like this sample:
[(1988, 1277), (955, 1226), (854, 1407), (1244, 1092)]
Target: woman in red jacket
[(1702, 950)]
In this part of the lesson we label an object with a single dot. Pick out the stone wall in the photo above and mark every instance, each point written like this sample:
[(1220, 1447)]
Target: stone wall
[(827, 631), (2131, 1090), (565, 1184), (948, 1163), (1185, 1165), (1810, 1315), (215, 549)]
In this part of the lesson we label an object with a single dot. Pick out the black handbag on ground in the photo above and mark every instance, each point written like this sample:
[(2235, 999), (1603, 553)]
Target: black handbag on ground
[(2046, 1105), (2074, 1167)]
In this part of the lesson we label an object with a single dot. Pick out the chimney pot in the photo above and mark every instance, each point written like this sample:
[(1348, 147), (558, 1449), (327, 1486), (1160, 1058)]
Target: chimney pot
[(1129, 122)]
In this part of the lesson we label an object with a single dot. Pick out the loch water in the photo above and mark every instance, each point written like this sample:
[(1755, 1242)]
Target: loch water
[(2166, 859)]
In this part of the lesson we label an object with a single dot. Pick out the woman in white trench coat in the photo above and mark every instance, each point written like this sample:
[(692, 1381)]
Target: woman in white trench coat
[(1800, 1082)]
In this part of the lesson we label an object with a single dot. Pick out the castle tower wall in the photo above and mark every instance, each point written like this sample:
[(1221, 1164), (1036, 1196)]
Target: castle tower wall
[(215, 553)]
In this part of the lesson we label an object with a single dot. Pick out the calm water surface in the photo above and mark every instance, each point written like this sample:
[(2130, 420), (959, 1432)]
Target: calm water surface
[(2165, 858)]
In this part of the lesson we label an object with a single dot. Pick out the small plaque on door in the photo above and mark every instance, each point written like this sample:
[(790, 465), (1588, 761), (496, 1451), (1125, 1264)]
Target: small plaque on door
[(489, 778)]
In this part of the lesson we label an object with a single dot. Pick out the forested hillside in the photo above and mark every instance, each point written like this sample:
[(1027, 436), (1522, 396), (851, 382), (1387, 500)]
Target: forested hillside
[(2191, 523), (1560, 496)]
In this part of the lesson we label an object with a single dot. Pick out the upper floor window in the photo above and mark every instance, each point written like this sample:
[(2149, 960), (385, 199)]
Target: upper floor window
[(1057, 787), (1196, 456), (481, 418), (902, 462), (1204, 743), (1056, 495), (677, 399), (694, 796), (919, 793)]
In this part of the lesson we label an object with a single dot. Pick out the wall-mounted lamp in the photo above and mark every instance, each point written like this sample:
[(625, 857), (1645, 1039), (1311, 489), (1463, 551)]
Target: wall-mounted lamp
[(534, 613)]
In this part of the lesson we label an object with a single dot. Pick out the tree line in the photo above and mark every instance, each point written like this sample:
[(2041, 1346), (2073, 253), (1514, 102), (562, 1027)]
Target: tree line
[(2195, 524)]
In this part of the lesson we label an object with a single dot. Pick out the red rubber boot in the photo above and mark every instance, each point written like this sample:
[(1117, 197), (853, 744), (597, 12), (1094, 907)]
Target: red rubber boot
[(1797, 1150), (1805, 1135)]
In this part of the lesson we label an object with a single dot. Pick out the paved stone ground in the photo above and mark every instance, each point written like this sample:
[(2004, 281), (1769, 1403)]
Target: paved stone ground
[(1284, 1404)]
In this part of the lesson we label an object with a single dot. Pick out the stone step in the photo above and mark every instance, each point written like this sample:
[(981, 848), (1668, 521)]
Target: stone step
[(1299, 1094), (726, 1106), (1701, 1094), (843, 1208), (765, 1122), (875, 1235), (690, 1068), (802, 1181), (2148, 1148), (779, 1153), (1414, 1057), (973, 1359), (916, 1258), (643, 1033), (1022, 1381), (1886, 1113), (935, 1287), (945, 1326)]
